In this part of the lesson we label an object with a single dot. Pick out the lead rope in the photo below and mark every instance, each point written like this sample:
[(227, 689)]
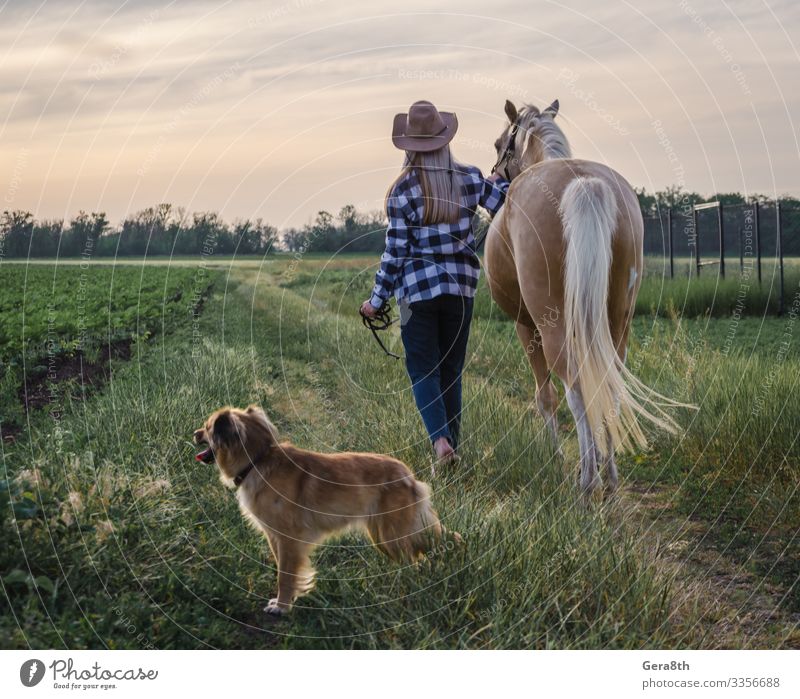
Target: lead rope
[(382, 320)]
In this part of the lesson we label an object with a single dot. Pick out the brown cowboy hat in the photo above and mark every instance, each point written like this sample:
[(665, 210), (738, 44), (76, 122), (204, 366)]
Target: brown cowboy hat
[(424, 128)]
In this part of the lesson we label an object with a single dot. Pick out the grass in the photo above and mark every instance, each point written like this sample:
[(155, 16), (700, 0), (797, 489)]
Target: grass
[(114, 537), (737, 465), (738, 294)]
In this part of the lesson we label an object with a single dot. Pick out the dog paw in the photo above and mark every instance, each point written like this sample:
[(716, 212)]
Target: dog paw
[(274, 609), (452, 536)]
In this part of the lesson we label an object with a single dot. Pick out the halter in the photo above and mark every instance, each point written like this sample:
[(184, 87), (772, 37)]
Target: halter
[(508, 150)]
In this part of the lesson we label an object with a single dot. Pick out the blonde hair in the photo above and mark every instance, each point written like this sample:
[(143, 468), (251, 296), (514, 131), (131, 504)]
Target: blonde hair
[(439, 178)]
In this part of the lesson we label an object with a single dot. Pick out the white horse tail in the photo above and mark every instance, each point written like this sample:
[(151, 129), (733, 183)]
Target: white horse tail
[(614, 399)]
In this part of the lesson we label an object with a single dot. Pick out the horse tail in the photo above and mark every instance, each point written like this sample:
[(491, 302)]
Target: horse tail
[(613, 397)]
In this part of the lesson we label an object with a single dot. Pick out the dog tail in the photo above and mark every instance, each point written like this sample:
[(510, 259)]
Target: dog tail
[(410, 530), (426, 529)]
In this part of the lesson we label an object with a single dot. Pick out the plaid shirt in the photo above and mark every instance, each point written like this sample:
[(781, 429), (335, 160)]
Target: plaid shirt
[(422, 262)]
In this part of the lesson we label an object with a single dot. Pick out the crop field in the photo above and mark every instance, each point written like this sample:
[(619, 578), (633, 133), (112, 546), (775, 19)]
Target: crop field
[(113, 536), (57, 322)]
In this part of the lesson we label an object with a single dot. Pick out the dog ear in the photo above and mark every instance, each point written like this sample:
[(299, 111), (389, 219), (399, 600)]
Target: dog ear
[(224, 429), (258, 411)]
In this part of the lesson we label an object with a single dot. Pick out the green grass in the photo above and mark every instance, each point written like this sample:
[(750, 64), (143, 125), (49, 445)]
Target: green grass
[(739, 294), (737, 465), (115, 537), (53, 313)]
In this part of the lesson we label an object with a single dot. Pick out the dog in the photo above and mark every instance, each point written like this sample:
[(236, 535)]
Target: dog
[(298, 498)]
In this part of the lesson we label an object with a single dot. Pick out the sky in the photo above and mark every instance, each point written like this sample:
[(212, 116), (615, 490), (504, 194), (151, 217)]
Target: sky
[(283, 108)]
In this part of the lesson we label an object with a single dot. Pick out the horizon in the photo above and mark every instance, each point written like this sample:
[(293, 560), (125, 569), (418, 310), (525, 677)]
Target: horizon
[(178, 213), (284, 110)]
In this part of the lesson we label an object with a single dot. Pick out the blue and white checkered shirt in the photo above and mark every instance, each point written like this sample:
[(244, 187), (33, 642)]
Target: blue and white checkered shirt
[(422, 262)]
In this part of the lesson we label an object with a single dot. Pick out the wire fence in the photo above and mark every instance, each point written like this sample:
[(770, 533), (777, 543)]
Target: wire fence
[(721, 239)]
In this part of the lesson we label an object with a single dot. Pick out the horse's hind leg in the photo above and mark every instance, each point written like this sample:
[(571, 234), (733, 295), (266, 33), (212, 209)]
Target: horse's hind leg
[(609, 464), (554, 344), (546, 395), (590, 478), (620, 327)]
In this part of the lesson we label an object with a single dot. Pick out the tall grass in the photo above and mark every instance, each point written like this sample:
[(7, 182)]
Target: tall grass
[(737, 465), (133, 543), (739, 293), (118, 538)]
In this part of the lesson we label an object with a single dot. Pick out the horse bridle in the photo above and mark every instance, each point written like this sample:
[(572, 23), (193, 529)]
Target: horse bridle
[(508, 150)]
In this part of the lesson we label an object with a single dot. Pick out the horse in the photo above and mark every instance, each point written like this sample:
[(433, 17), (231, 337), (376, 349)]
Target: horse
[(563, 259)]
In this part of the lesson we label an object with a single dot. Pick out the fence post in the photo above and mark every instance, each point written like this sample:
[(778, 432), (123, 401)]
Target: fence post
[(779, 243), (669, 243), (696, 242), (741, 251), (757, 229), (721, 227)]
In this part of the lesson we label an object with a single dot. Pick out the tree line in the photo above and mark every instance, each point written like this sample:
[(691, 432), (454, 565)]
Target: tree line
[(168, 230), (160, 230), (736, 225), (679, 199)]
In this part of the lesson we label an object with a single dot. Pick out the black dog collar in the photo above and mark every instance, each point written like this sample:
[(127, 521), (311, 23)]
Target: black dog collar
[(237, 481), (239, 478)]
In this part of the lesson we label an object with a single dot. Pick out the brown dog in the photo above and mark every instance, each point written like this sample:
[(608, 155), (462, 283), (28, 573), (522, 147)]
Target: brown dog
[(297, 498)]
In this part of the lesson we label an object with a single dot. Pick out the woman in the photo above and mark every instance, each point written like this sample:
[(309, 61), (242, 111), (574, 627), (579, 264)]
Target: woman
[(430, 263)]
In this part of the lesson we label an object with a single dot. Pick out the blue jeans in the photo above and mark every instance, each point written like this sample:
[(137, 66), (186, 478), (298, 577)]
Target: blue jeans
[(435, 341)]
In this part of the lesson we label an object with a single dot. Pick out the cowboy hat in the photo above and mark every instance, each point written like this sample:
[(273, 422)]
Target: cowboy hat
[(424, 128)]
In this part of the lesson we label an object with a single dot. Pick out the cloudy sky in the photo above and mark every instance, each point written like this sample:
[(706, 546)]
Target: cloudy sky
[(282, 108)]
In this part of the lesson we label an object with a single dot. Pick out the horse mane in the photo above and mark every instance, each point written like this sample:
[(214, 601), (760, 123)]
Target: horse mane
[(550, 142)]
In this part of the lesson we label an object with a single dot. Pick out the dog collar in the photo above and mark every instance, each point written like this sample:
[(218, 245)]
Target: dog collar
[(239, 477), (237, 481)]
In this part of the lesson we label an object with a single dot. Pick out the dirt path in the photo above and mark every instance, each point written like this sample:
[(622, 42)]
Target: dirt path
[(729, 606)]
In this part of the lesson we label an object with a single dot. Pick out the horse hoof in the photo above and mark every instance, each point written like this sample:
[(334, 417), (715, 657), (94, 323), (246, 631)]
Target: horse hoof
[(588, 490)]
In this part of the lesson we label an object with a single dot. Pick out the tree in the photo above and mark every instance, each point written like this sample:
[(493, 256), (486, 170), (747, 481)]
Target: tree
[(82, 235), (647, 202), (254, 237), (295, 240), (16, 229), (675, 197), (207, 234), (349, 217), (728, 199), (46, 236)]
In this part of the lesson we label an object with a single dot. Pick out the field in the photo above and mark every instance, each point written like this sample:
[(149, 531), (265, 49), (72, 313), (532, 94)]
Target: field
[(59, 323), (709, 295), (114, 537)]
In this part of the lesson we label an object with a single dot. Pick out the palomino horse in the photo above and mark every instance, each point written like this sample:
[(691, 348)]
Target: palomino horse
[(564, 259)]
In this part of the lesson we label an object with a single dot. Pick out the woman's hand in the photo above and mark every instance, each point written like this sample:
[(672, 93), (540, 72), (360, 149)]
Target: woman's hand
[(367, 309)]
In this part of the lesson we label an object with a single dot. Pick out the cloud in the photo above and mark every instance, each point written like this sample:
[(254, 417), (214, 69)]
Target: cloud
[(280, 109)]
